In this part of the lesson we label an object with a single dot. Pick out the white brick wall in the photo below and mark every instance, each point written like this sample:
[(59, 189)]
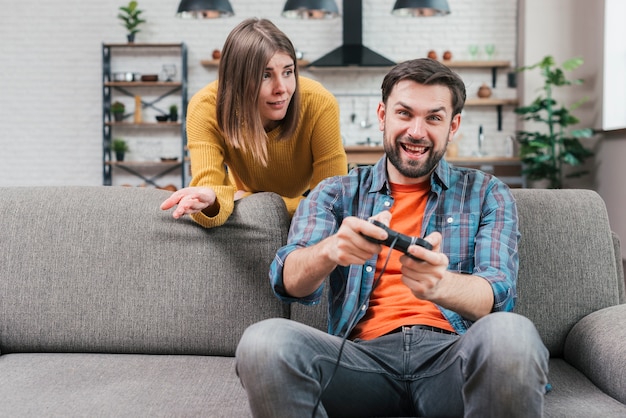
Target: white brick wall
[(50, 72)]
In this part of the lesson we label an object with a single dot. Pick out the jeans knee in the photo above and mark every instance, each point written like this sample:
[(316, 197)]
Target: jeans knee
[(259, 341), (255, 337), (510, 339)]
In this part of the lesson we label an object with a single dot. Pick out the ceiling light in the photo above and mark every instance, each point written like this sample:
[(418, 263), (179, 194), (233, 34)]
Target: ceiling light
[(419, 8), (204, 9), (310, 9)]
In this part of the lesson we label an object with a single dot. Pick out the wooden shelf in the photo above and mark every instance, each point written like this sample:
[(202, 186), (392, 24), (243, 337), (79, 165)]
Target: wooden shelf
[(477, 64), (491, 102), (484, 160), (143, 163), (143, 83), (144, 124), (498, 103), (142, 45)]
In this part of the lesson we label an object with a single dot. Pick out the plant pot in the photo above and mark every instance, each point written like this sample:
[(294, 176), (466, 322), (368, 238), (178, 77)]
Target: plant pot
[(118, 117), (131, 38), (174, 117), (119, 156)]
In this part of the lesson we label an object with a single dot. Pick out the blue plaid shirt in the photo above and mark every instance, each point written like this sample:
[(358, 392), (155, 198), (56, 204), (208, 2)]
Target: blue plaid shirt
[(474, 211)]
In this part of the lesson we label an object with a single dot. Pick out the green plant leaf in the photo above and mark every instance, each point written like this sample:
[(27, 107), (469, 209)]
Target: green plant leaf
[(573, 63), (545, 151)]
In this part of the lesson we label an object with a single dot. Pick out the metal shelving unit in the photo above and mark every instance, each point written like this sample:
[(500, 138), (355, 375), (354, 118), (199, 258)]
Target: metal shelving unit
[(112, 88)]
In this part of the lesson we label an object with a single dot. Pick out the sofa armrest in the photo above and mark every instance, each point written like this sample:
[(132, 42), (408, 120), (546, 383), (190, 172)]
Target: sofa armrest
[(595, 346)]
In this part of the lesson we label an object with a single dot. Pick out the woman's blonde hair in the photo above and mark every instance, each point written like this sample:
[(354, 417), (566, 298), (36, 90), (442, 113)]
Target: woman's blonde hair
[(246, 52)]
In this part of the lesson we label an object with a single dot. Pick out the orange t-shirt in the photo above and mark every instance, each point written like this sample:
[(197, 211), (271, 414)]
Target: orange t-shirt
[(392, 304)]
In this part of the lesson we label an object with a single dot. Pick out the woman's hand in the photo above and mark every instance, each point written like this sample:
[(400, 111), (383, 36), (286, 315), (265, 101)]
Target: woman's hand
[(189, 200)]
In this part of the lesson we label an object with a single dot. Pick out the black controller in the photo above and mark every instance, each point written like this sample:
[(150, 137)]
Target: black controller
[(399, 241)]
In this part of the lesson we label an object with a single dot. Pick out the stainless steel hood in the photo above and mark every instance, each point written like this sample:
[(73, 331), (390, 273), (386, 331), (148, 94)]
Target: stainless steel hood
[(352, 52)]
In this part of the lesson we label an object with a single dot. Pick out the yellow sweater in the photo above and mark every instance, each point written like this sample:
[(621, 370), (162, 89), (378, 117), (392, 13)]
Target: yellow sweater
[(294, 165)]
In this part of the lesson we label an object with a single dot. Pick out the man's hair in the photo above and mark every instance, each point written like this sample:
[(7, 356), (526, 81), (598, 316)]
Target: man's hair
[(246, 52), (428, 72)]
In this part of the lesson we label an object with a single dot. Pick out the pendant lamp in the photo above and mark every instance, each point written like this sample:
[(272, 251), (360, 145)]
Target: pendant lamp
[(310, 9), (204, 9), (419, 8)]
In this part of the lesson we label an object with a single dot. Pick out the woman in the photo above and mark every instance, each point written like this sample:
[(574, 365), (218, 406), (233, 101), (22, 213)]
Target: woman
[(259, 127)]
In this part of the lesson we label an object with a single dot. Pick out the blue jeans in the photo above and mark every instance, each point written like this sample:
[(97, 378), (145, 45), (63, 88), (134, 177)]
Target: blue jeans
[(497, 369)]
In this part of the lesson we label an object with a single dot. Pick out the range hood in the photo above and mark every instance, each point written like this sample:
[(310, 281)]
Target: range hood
[(352, 52)]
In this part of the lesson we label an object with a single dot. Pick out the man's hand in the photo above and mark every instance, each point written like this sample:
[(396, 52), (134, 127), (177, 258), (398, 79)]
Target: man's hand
[(349, 246), (429, 279), (424, 276), (189, 200), (306, 268)]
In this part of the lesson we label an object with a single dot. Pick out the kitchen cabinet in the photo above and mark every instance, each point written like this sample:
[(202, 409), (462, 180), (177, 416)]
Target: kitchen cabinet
[(148, 95)]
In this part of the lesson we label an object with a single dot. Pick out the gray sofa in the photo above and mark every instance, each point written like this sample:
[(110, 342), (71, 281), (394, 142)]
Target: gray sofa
[(109, 307)]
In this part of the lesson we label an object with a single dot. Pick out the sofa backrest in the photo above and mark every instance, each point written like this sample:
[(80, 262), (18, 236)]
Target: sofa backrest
[(103, 269), (568, 260), (570, 263)]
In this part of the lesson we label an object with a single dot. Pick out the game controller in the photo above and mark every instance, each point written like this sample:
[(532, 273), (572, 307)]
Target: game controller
[(399, 241)]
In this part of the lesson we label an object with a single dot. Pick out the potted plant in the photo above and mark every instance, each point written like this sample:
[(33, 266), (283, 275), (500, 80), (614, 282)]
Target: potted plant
[(545, 152), (130, 17), (117, 109), (119, 147), (173, 113)]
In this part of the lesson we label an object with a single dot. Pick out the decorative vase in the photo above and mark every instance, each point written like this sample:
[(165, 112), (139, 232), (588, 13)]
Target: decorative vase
[(484, 91)]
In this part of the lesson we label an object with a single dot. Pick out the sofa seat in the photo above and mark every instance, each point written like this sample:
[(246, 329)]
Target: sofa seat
[(120, 385)]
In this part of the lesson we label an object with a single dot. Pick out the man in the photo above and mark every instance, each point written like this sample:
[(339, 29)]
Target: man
[(426, 334)]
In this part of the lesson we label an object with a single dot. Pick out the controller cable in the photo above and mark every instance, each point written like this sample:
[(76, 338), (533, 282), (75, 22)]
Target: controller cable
[(350, 325)]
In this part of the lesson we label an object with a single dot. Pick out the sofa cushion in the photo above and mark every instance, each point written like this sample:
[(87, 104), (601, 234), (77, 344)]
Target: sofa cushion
[(567, 260), (114, 385), (103, 269), (573, 395), (595, 346)]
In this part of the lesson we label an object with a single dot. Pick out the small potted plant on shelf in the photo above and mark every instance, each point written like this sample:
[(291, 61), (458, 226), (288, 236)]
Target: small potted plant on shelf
[(117, 110), (173, 113), (119, 147), (130, 17)]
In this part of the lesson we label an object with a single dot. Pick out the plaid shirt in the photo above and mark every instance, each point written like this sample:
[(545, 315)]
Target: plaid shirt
[(474, 211)]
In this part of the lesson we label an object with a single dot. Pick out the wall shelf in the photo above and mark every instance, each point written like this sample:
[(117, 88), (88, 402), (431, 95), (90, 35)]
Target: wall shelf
[(498, 103), (494, 65), (143, 84), (145, 124)]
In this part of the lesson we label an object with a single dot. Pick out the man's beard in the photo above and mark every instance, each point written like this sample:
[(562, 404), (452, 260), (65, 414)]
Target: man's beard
[(413, 168)]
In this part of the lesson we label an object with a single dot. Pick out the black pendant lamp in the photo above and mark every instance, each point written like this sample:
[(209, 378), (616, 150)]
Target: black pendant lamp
[(204, 9), (310, 9), (419, 8)]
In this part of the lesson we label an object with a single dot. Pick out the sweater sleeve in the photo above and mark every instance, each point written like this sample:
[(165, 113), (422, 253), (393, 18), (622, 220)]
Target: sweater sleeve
[(329, 155), (207, 153)]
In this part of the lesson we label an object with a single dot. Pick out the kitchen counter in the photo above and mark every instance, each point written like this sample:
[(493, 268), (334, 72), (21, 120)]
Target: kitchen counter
[(507, 169)]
